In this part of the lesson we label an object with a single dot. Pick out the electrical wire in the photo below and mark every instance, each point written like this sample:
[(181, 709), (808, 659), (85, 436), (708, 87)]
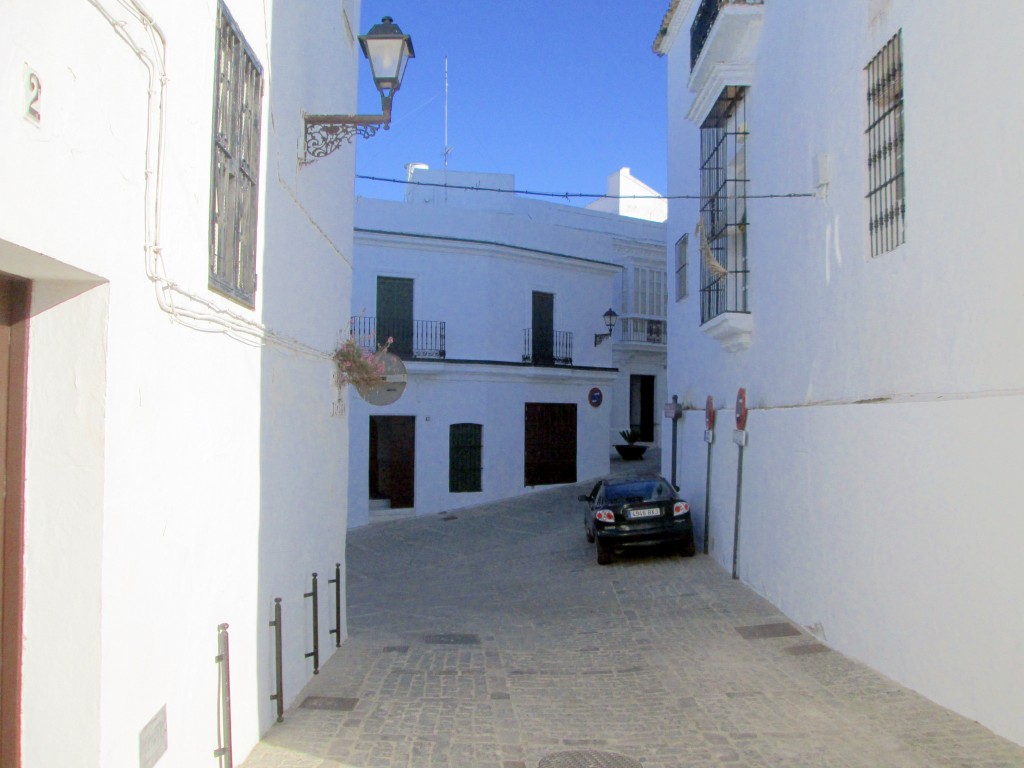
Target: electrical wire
[(568, 195)]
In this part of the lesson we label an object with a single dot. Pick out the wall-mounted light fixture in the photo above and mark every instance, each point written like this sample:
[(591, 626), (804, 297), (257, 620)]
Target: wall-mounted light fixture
[(388, 51), (609, 320)]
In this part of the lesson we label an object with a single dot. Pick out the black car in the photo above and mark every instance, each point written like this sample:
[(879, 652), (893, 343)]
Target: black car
[(623, 511)]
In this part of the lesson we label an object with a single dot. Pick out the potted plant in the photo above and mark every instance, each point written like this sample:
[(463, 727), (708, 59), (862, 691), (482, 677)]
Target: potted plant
[(630, 451)]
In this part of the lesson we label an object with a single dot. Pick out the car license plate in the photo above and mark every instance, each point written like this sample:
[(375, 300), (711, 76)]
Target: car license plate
[(635, 514)]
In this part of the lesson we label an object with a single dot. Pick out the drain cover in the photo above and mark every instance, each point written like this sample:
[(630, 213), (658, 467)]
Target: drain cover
[(329, 703), (452, 638), (762, 631), (588, 758)]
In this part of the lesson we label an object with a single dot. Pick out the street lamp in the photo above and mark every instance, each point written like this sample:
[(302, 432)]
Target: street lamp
[(609, 320), (388, 51)]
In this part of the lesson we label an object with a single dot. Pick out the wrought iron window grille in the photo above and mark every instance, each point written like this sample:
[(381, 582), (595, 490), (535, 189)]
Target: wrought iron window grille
[(723, 212), (234, 182), (885, 133)]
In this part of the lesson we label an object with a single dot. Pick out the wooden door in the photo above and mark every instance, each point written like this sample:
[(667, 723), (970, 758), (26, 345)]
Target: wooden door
[(543, 329), (550, 444), (394, 314), (14, 304)]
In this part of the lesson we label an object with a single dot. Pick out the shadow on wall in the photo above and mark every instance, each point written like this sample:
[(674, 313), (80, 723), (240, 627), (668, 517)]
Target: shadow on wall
[(304, 290)]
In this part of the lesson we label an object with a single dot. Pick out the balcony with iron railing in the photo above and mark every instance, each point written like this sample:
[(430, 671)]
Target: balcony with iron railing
[(739, 17), (552, 348), (635, 329), (410, 339)]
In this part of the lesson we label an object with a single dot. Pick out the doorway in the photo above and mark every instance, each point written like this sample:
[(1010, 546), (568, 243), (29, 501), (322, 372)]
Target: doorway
[(393, 459), (550, 444), (14, 306), (641, 406), (543, 333), (394, 315)]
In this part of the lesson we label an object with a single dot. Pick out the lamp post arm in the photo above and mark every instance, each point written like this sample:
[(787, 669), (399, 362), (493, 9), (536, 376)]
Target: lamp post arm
[(326, 133)]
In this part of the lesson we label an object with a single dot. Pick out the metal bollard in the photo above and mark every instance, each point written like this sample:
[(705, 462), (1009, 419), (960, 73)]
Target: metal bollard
[(279, 677), (336, 581), (223, 751), (315, 653)]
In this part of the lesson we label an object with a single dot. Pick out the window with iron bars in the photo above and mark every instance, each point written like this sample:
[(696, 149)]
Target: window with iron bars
[(234, 184), (886, 190), (723, 206), (682, 263)]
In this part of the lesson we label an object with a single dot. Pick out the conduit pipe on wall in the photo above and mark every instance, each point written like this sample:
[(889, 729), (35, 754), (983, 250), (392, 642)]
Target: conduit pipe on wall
[(200, 312)]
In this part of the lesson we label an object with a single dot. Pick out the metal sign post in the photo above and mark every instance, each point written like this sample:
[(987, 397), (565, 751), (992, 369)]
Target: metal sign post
[(709, 438), (740, 438), (674, 411)]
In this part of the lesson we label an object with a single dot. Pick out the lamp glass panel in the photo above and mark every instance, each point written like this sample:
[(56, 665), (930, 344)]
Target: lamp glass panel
[(387, 59)]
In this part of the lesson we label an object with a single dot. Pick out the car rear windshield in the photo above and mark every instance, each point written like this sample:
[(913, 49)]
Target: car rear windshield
[(641, 490)]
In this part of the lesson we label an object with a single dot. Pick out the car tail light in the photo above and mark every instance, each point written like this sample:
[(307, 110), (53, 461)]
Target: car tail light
[(680, 508), (605, 516)]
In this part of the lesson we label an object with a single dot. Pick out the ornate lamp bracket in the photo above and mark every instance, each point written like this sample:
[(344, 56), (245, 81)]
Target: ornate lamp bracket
[(325, 133)]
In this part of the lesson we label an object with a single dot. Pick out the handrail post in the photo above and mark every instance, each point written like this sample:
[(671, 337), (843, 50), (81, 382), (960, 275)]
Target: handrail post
[(278, 696), (336, 581), (223, 751), (315, 653)]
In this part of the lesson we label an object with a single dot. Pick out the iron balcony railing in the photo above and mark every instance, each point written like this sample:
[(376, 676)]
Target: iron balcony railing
[(724, 293), (410, 339), (703, 22), (642, 330), (543, 349)]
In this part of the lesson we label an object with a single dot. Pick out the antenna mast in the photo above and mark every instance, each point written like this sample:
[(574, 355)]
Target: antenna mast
[(447, 149)]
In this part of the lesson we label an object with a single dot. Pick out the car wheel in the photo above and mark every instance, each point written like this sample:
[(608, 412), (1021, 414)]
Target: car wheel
[(604, 553), (590, 533), (687, 547)]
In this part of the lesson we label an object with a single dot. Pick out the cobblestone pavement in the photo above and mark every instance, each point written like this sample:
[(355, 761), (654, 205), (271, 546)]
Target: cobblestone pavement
[(490, 638)]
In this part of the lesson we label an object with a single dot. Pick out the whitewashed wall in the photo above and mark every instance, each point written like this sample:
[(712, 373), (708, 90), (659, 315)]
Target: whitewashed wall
[(878, 497), (628, 196), (176, 479), (480, 394), (475, 260)]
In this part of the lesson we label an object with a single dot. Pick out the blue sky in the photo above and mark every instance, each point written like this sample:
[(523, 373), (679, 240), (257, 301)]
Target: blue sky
[(559, 93)]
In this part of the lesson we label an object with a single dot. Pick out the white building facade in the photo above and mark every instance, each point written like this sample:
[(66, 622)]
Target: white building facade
[(628, 196), (871, 318), (174, 284), (494, 303)]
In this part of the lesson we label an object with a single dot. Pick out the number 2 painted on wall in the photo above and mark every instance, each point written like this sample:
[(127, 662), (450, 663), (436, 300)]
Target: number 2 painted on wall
[(33, 94)]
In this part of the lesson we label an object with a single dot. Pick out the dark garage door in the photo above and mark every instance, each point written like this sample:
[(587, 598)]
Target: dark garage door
[(550, 455)]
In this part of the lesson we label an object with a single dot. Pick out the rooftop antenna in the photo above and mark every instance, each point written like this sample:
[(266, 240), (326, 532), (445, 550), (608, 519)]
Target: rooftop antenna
[(447, 148)]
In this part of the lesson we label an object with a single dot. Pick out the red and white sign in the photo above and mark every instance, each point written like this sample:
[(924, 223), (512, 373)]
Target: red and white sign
[(709, 413), (741, 409)]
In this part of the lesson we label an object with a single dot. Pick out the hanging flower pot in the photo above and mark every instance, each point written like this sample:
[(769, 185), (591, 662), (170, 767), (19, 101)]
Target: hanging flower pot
[(360, 367)]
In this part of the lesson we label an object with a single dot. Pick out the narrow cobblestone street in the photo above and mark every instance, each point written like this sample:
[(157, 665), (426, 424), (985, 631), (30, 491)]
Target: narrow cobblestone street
[(490, 638)]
